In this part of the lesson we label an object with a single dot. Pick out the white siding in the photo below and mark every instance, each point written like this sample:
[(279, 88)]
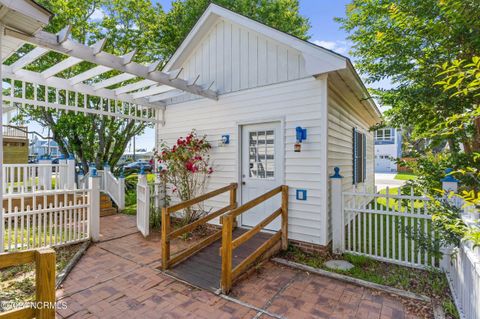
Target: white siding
[(296, 103), (343, 115), (238, 58)]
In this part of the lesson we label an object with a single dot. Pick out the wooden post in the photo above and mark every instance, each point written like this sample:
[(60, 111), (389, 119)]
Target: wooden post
[(338, 219), (227, 229), (94, 218), (45, 283), (165, 238), (233, 201), (233, 196), (284, 217)]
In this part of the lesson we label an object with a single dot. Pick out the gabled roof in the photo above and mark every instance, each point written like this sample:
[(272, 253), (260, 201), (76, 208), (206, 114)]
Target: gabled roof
[(318, 60)]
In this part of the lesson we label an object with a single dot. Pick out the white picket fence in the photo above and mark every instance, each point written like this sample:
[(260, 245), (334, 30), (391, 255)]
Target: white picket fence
[(46, 218), (21, 178), (463, 271), (385, 227)]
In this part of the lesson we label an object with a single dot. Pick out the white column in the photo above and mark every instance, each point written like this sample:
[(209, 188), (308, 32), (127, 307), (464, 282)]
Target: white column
[(121, 190), (45, 173), (63, 173), (106, 169), (338, 219), (71, 172), (2, 226), (94, 218)]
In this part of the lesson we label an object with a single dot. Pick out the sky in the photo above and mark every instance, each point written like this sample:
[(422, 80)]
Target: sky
[(324, 31)]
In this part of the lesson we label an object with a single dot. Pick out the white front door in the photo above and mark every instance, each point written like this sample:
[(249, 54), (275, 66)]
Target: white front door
[(262, 170)]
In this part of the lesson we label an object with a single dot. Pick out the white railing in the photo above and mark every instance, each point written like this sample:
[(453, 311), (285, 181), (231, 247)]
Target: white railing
[(11, 131), (143, 205), (109, 184), (387, 227), (20, 178), (45, 218), (115, 187)]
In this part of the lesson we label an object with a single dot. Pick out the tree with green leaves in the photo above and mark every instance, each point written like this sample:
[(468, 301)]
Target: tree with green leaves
[(129, 25), (406, 41)]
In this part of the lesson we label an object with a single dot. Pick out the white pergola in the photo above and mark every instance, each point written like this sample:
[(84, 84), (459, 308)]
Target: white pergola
[(137, 92), (139, 100)]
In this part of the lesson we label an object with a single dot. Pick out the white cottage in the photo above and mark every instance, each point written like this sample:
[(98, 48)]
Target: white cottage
[(271, 84)]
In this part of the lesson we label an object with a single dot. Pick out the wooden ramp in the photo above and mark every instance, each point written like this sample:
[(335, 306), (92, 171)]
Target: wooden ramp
[(222, 257), (204, 269)]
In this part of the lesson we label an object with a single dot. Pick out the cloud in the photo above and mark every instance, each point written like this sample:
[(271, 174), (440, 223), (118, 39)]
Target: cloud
[(337, 46)]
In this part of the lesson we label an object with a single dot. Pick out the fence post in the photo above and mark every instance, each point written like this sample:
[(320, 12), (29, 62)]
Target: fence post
[(45, 173), (45, 283), (284, 217), (71, 172), (338, 220), (94, 218), (61, 183), (449, 185), (121, 191), (106, 169), (165, 237), (227, 229)]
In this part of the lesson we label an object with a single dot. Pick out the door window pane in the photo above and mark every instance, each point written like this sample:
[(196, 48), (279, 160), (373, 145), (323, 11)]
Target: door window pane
[(261, 154)]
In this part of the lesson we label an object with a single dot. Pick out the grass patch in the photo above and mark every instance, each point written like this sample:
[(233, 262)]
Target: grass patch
[(394, 204), (17, 284), (432, 283), (405, 176)]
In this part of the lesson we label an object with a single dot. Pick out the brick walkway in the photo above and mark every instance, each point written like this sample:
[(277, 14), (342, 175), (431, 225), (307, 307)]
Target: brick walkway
[(117, 278)]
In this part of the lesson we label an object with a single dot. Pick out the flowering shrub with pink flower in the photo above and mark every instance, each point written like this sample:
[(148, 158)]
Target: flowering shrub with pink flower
[(186, 167)]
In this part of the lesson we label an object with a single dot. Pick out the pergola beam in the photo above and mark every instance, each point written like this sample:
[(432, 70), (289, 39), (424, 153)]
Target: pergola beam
[(134, 86), (61, 66), (152, 91), (71, 108), (113, 80), (88, 74), (63, 84), (29, 58), (93, 55)]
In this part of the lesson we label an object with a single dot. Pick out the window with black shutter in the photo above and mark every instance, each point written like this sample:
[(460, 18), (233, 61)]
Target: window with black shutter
[(359, 156)]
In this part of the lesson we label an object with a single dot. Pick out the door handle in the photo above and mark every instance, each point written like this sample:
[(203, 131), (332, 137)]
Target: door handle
[(243, 183)]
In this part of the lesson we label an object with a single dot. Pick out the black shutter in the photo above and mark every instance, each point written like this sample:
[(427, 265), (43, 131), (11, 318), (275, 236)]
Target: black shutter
[(359, 156)]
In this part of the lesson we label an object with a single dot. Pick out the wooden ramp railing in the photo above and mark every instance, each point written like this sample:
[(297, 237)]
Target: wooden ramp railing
[(168, 234), (230, 274), (44, 305)]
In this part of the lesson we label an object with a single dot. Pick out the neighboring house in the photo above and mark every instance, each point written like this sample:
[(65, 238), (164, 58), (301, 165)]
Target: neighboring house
[(15, 145), (269, 84), (388, 147), (40, 148)]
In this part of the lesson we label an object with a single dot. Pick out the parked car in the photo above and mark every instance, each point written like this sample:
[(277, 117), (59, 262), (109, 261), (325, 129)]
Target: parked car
[(136, 166)]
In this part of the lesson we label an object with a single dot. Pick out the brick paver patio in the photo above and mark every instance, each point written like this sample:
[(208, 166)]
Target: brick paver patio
[(118, 278)]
